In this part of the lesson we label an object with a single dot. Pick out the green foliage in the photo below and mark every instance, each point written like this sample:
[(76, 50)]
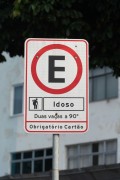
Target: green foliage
[(97, 21)]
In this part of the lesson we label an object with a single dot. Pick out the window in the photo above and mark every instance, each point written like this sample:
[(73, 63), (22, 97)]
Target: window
[(102, 84), (92, 154), (29, 162), (18, 99)]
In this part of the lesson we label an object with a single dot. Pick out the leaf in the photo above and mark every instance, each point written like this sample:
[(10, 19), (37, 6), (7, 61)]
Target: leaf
[(2, 58), (110, 34)]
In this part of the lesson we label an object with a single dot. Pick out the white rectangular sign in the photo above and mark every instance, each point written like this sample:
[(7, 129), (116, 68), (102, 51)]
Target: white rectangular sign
[(56, 85)]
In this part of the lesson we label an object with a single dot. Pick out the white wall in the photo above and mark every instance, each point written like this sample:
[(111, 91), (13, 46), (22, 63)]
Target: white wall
[(104, 121)]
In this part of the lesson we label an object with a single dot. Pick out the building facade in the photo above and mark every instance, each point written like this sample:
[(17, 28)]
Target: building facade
[(24, 153)]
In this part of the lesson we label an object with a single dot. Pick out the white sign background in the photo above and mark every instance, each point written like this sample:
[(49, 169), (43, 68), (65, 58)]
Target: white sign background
[(59, 117)]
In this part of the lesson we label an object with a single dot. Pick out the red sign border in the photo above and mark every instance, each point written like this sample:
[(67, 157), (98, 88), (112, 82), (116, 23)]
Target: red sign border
[(37, 58), (25, 89)]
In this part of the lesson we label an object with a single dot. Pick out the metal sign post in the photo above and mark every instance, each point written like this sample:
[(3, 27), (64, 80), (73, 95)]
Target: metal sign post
[(55, 171), (56, 89)]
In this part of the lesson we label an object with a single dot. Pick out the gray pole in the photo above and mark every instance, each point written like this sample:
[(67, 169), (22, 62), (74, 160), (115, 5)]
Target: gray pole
[(55, 171)]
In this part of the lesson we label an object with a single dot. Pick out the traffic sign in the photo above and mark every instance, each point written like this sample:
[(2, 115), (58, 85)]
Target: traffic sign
[(56, 85)]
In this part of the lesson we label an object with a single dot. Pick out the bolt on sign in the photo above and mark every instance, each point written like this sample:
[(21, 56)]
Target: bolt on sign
[(56, 85)]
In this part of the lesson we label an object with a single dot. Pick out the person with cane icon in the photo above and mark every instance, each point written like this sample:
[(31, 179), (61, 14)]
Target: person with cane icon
[(35, 103)]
